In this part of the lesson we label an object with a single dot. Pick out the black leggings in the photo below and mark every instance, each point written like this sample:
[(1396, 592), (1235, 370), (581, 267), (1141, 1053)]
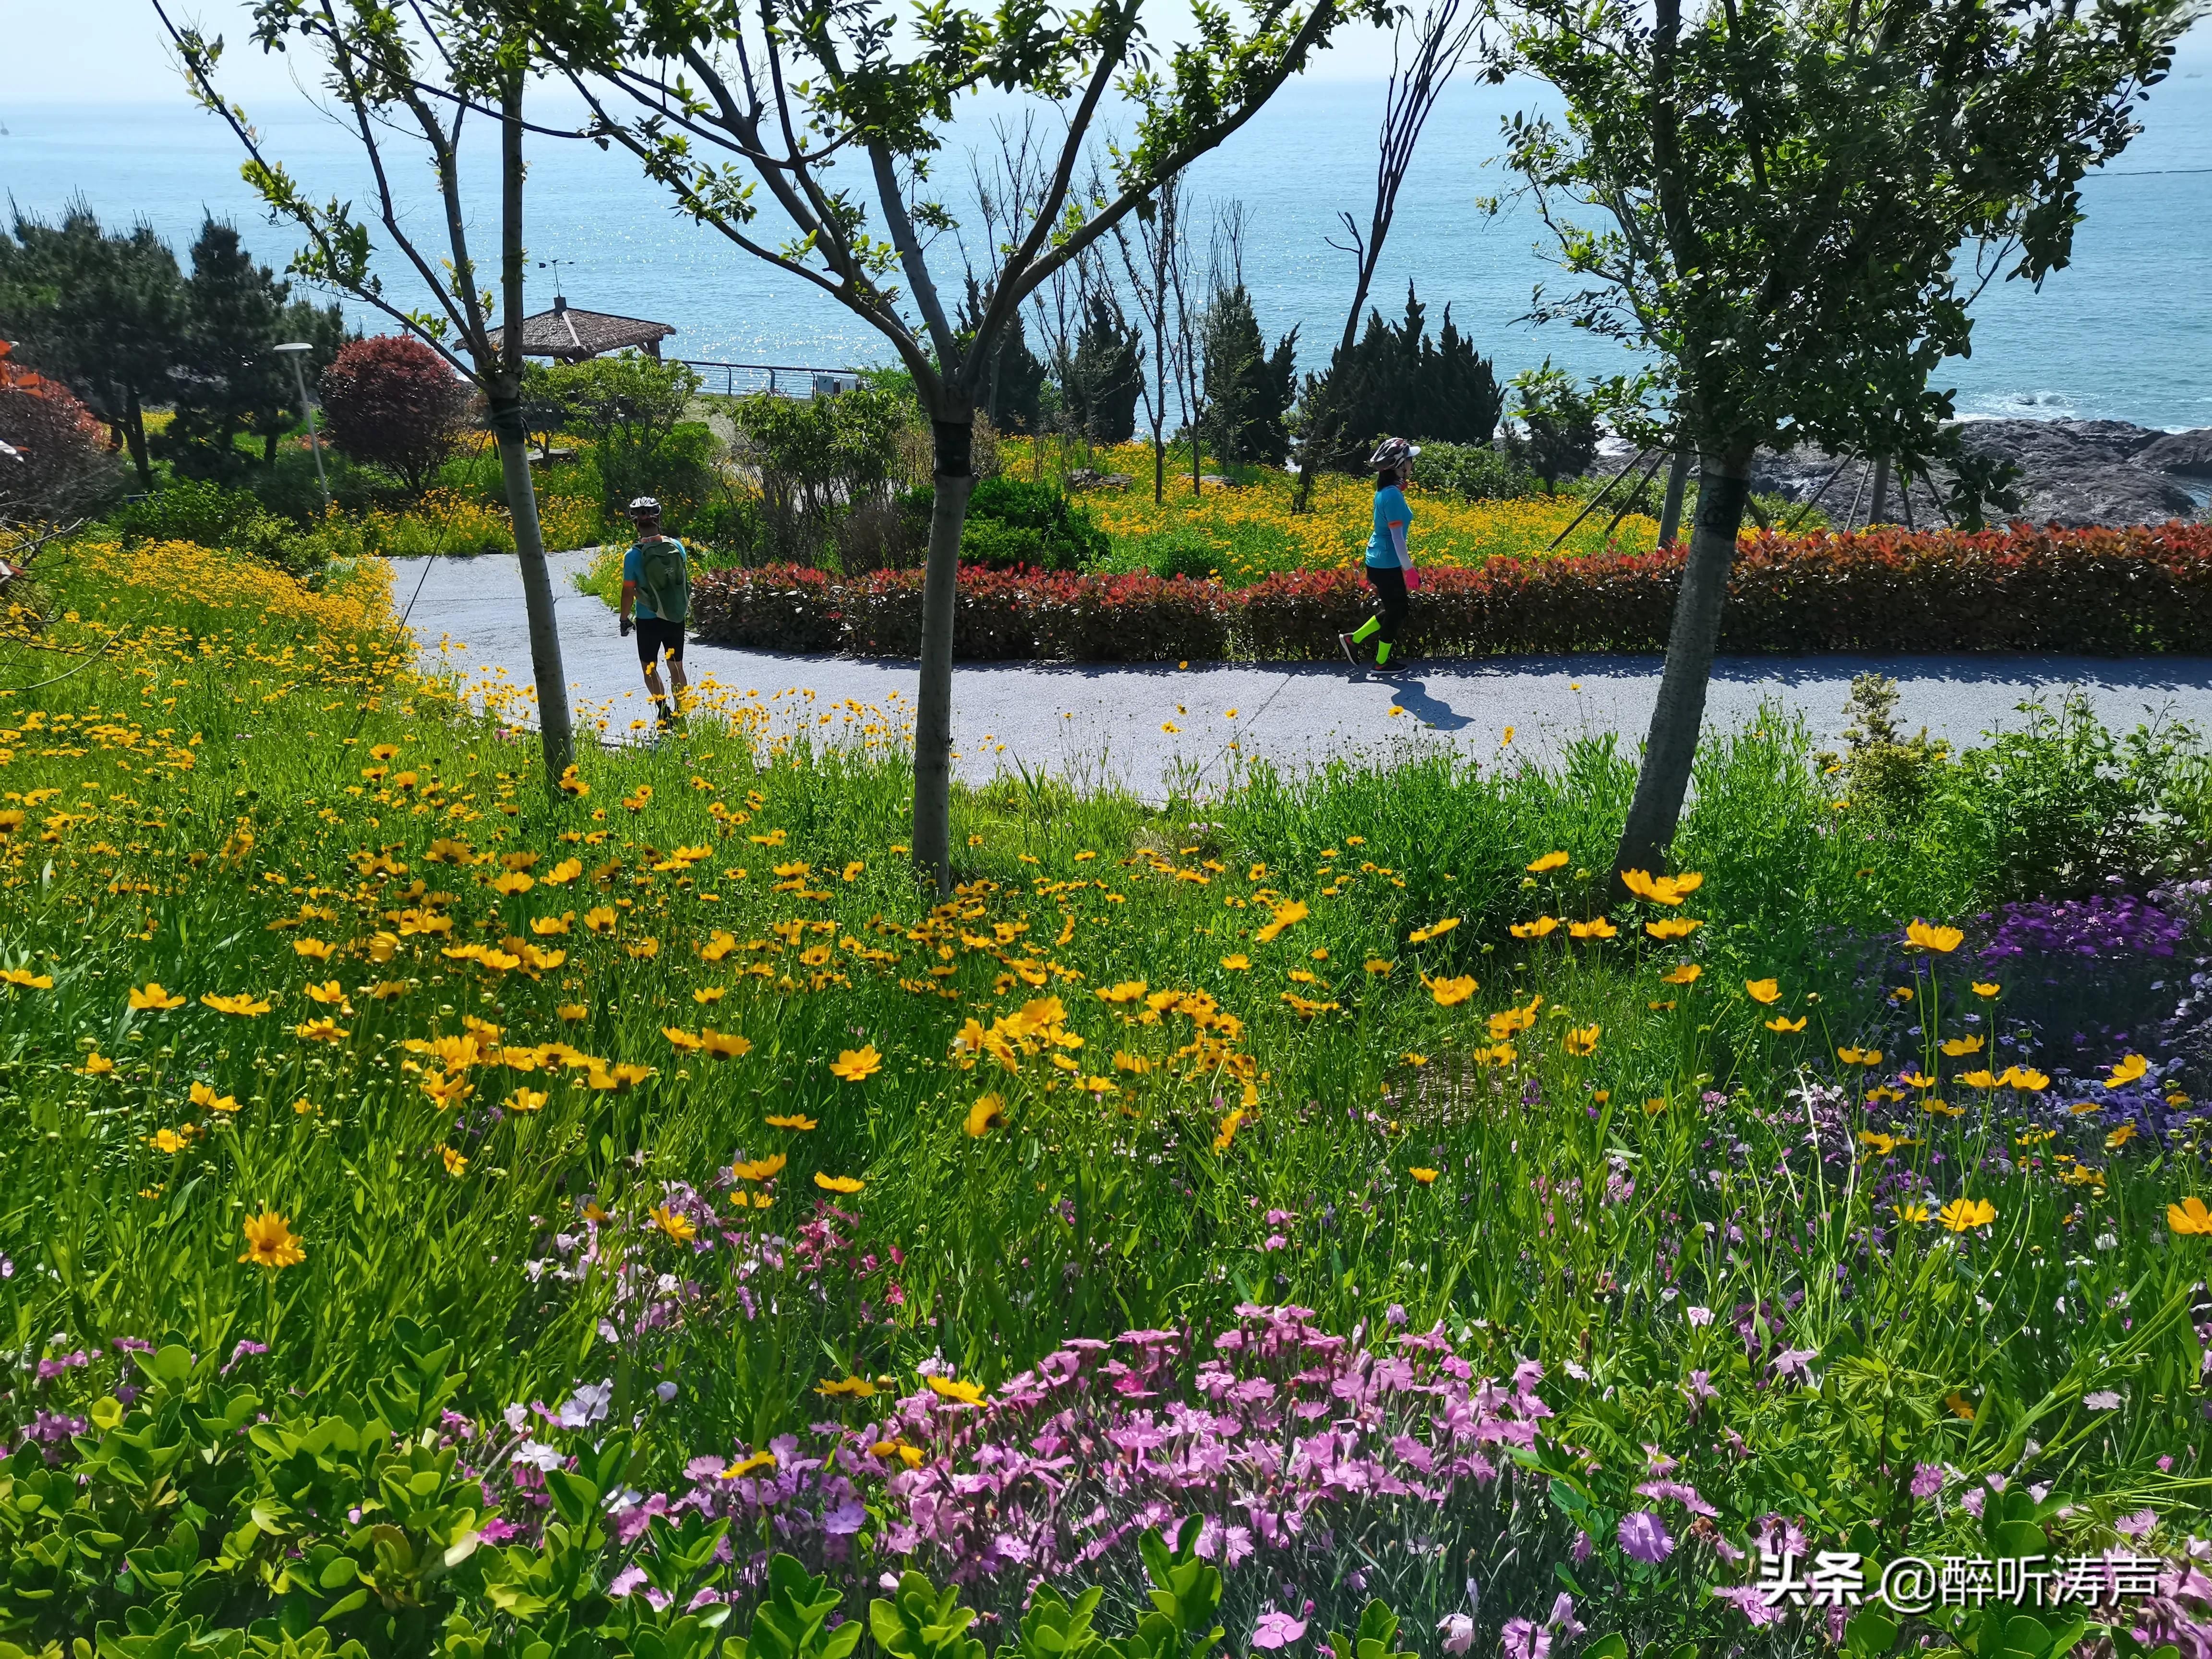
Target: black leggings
[(1388, 581)]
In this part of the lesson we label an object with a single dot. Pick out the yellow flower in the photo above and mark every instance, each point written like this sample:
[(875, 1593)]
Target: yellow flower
[(1542, 927), (98, 1064), (600, 919), (564, 873), (206, 1098), (1783, 1023), (269, 1242), (1581, 1040), (2127, 1071), (324, 1029), (1549, 861), (1661, 890), (1962, 1213), (1434, 930), (1942, 1108), (244, 1003), (857, 1064), (844, 1184), (988, 1113), (677, 1227), (2119, 1137), (859, 1386), (1295, 911), (1762, 991), (801, 1124), (571, 1012), (852, 872), (1909, 1212), (1985, 988), (1922, 1080), (314, 949), (1427, 1177), (2023, 1077), (645, 949), (2189, 1217), (760, 1168), (513, 881), (1958, 1047), (1859, 1056), (525, 1100), (328, 993), (725, 1045), (1377, 965), (1450, 993), (1929, 938), (1673, 927), (1596, 927), (551, 927), (964, 1393), (1983, 1079), (456, 1164), (1227, 1135), (152, 996), (1686, 974), (680, 1037), (1127, 991), (447, 1089), (1236, 964)]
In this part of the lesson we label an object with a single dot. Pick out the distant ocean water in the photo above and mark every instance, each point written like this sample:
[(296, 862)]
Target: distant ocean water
[(2124, 332)]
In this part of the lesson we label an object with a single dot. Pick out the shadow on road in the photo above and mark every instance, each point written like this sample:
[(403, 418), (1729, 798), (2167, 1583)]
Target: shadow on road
[(1412, 697)]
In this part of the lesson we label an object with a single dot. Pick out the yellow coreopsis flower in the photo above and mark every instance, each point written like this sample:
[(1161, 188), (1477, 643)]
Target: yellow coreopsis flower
[(1959, 1047), (1762, 990), (1285, 916), (857, 1064), (1434, 930), (1929, 937), (24, 979), (1451, 992), (1549, 861), (793, 1122), (315, 949), (1673, 927), (2190, 1218), (2127, 1070), (324, 1029), (1909, 1212), (988, 1113), (677, 1227), (456, 1164), (960, 1393), (1542, 927), (1684, 973), (1596, 927), (600, 919), (759, 1169), (1985, 988), (1127, 991), (244, 1004), (1961, 1214), (1859, 1056), (844, 1185), (208, 1100), (859, 1386), (2119, 1137), (1425, 1176), (525, 1100), (1236, 963), (270, 1242), (571, 1012), (151, 996), (1581, 1040), (1783, 1023), (97, 1064)]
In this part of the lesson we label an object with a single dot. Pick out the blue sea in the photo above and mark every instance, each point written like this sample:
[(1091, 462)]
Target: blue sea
[(2124, 331)]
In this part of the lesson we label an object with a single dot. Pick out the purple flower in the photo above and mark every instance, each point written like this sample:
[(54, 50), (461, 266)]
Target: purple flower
[(1277, 1630), (1458, 1631), (1645, 1537), (1927, 1479), (1525, 1639)]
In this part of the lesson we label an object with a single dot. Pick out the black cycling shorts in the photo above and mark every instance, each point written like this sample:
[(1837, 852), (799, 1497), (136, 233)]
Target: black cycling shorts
[(655, 637)]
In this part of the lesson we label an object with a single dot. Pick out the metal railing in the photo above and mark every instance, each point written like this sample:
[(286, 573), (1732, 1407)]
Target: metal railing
[(778, 379)]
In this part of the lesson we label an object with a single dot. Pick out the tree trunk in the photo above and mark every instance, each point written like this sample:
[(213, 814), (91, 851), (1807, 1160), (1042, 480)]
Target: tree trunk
[(1723, 487), (954, 475), (1878, 512), (134, 434), (511, 428), (1670, 510)]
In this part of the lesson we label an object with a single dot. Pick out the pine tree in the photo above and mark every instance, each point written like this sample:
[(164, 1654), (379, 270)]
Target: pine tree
[(1011, 396), (228, 377), (1247, 390), (1104, 377), (1398, 383)]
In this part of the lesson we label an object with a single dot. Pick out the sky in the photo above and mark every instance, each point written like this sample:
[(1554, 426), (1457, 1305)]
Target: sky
[(113, 51)]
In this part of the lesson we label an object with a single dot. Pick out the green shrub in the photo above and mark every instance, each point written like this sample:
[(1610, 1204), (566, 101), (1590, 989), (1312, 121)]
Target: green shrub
[(1474, 472), (1183, 553)]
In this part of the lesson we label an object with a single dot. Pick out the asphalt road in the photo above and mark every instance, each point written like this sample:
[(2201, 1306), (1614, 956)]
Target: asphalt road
[(1136, 725)]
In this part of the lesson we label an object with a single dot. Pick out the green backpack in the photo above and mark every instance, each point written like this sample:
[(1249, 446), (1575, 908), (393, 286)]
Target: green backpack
[(664, 582)]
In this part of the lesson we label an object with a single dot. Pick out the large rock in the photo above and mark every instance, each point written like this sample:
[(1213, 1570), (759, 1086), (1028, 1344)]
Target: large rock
[(2186, 452), (2039, 447), (2078, 497)]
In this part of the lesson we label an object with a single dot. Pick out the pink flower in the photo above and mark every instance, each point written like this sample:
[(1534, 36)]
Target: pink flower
[(1699, 1315), (1645, 1537), (1927, 1479), (1458, 1631), (2138, 1525), (1525, 1639), (1277, 1630)]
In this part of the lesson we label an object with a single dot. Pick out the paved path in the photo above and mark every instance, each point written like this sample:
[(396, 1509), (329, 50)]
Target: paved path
[(1135, 725)]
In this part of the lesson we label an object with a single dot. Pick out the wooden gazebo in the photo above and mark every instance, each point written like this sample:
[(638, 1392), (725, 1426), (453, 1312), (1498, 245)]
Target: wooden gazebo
[(569, 334)]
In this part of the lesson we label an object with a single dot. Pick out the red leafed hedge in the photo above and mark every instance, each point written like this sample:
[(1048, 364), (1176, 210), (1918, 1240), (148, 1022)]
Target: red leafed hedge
[(2115, 592)]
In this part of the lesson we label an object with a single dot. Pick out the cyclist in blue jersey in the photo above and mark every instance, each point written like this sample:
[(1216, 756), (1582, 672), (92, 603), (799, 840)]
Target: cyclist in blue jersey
[(1390, 566)]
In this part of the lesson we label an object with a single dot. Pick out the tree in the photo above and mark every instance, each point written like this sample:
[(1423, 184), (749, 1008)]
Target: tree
[(390, 401), (629, 406), (416, 76), (103, 312), (1557, 437), (1398, 382), (1008, 390), (54, 464), (1153, 261), (1424, 53), (322, 330), (1248, 391), (226, 377), (1104, 374), (786, 101), (1784, 189)]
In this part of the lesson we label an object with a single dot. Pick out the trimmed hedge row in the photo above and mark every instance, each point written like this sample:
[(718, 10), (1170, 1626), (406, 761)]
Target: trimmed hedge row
[(2114, 592)]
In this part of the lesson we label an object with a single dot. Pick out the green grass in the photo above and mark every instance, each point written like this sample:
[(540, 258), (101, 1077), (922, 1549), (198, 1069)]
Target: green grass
[(200, 806)]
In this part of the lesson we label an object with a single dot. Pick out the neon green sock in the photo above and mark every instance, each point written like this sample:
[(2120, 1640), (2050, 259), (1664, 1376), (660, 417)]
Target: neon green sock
[(1366, 631), (1382, 654)]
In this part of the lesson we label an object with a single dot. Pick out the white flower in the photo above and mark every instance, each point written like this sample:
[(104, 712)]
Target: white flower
[(1458, 1631), (2104, 1399), (536, 1455)]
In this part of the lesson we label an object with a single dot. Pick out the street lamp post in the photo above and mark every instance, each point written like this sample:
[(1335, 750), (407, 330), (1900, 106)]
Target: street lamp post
[(297, 351)]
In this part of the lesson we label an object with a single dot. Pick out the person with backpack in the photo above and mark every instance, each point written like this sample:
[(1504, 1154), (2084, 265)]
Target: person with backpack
[(1390, 570), (656, 595)]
